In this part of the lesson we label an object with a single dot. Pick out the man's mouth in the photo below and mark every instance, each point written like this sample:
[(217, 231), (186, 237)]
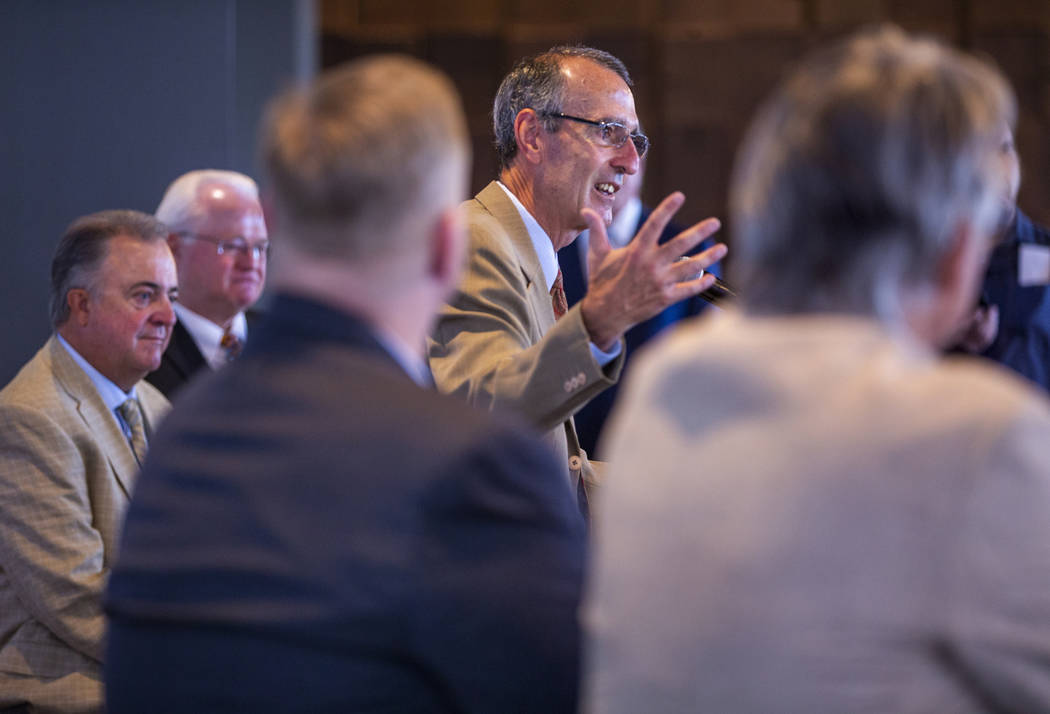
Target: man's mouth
[(606, 188)]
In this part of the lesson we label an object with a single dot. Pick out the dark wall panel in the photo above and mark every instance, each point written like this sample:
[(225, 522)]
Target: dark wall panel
[(105, 102)]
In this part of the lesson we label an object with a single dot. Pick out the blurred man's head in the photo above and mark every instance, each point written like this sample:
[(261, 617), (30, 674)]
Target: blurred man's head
[(367, 166), (219, 241), (566, 127), (873, 170), (112, 287)]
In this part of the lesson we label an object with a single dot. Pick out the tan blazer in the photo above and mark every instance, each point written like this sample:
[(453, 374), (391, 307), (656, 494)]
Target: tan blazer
[(497, 344), (66, 474), (830, 520)]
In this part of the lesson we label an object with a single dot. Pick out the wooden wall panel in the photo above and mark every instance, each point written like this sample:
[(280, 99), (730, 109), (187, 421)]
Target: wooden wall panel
[(700, 67)]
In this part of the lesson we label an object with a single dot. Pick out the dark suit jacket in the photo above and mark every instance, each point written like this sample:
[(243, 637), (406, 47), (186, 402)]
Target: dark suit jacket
[(1023, 340), (591, 418), (315, 533), (182, 359)]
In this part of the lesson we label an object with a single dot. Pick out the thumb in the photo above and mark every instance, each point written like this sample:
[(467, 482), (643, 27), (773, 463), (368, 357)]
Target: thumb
[(598, 243)]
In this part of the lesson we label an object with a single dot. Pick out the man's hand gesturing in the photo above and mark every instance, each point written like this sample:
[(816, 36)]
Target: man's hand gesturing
[(631, 284)]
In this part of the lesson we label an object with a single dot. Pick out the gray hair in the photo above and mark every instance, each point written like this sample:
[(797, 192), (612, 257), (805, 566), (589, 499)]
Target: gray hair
[(537, 83), (365, 156), (181, 208), (84, 247), (855, 174)]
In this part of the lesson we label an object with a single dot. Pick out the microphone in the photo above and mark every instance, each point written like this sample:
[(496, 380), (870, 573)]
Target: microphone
[(719, 294)]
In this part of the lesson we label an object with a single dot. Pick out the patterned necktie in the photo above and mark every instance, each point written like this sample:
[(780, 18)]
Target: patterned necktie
[(231, 345), (131, 412), (558, 301)]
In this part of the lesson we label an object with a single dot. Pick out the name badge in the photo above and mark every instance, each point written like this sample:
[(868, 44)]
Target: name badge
[(1033, 265)]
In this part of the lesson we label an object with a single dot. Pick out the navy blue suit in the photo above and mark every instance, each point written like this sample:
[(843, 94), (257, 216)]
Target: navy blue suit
[(591, 418), (313, 532), (1023, 340)]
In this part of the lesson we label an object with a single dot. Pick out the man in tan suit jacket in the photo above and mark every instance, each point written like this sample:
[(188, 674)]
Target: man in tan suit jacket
[(567, 133), (70, 445)]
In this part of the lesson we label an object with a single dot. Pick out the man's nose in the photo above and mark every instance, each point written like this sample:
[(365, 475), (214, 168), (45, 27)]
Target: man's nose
[(627, 158), (165, 312)]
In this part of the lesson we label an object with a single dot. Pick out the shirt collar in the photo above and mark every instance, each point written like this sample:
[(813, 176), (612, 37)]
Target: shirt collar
[(540, 240), (207, 335), (112, 395), (411, 362)]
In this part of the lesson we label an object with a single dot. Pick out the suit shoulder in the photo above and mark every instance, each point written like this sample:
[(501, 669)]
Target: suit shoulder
[(34, 386), (152, 399)]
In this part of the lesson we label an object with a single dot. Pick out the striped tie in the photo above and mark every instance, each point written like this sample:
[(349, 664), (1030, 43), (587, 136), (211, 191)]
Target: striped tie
[(131, 412)]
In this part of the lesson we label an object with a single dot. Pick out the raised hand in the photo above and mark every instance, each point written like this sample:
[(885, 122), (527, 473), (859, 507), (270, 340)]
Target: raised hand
[(631, 284)]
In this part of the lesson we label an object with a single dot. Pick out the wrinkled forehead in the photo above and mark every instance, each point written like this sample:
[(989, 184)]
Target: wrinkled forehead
[(595, 92)]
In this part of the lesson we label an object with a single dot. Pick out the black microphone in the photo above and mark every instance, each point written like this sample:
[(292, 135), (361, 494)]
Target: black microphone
[(719, 294)]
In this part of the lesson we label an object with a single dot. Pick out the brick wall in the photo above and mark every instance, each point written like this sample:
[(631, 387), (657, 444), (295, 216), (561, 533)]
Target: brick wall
[(700, 66)]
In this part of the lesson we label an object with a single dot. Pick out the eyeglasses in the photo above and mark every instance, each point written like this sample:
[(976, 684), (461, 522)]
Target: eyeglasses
[(613, 133), (237, 244)]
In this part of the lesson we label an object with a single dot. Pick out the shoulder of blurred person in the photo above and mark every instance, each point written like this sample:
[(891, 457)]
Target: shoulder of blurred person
[(829, 509)]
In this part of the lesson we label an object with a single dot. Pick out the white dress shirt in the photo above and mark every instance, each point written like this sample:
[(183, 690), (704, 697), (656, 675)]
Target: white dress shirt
[(544, 248)]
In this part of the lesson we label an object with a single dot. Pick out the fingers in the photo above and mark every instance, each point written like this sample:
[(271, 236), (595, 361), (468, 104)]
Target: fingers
[(598, 242), (689, 287), (691, 238), (689, 267), (649, 233)]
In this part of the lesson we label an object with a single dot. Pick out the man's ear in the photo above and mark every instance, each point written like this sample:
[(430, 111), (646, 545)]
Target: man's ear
[(174, 244), (79, 302), (448, 246), (269, 209), (529, 133)]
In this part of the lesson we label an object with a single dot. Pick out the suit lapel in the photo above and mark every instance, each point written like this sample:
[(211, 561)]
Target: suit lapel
[(496, 202), (183, 352), (96, 417)]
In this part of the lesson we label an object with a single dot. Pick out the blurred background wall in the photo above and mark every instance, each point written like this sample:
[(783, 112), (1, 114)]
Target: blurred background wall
[(700, 66), (104, 102)]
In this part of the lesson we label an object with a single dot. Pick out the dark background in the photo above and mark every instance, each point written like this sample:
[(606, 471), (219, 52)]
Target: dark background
[(105, 102)]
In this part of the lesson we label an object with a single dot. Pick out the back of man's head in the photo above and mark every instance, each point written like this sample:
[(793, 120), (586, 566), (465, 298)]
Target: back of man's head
[(361, 161), (860, 171)]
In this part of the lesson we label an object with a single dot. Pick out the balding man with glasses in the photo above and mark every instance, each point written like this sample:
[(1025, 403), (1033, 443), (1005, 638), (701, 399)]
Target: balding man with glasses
[(220, 245), (566, 135)]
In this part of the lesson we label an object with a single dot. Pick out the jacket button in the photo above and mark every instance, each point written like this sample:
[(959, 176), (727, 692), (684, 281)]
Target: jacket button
[(575, 463)]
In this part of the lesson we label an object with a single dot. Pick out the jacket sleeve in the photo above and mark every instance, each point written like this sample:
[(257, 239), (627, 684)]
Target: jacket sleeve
[(490, 345)]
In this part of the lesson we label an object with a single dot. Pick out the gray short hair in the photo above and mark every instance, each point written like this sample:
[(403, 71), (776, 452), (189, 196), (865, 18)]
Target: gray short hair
[(84, 247), (363, 154), (537, 83), (181, 208), (856, 172)]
